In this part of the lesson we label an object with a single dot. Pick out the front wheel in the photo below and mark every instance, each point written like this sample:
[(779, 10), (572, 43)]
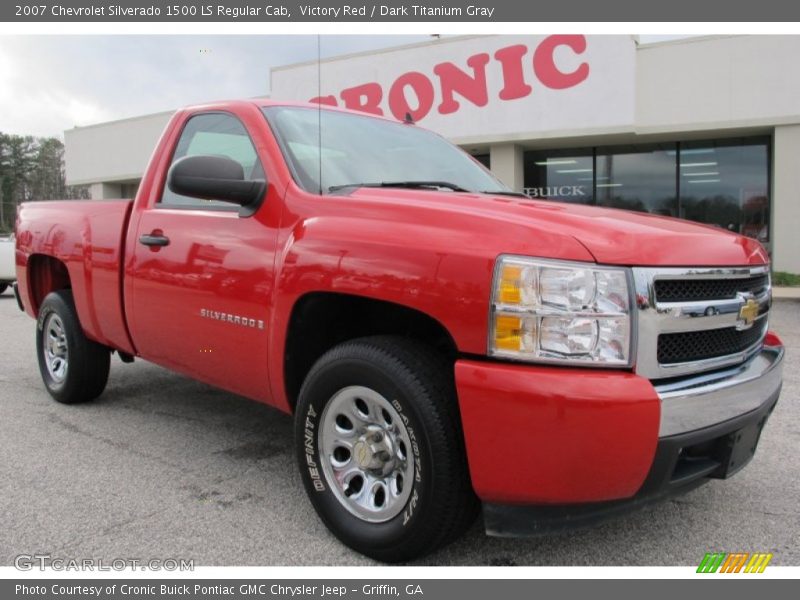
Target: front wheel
[(73, 367), (381, 450)]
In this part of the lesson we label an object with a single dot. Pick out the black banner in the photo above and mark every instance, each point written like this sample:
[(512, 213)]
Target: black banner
[(351, 589), (421, 11)]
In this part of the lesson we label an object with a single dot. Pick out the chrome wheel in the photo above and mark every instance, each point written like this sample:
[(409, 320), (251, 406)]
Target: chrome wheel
[(56, 352), (365, 453)]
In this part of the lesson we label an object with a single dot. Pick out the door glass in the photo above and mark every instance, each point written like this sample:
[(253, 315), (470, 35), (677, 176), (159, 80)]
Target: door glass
[(218, 134)]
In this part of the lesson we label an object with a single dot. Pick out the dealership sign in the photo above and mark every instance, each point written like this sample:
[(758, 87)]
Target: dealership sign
[(481, 88), (557, 191)]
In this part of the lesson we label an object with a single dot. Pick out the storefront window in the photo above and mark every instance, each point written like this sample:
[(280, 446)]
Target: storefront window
[(638, 178), (483, 159), (559, 175), (726, 183), (718, 182)]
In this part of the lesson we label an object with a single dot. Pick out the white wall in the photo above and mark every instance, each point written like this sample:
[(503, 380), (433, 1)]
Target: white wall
[(543, 112), (786, 199), (507, 164), (717, 83), (112, 152)]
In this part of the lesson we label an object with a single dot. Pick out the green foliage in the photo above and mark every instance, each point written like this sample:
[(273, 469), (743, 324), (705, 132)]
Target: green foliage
[(784, 279), (31, 169)]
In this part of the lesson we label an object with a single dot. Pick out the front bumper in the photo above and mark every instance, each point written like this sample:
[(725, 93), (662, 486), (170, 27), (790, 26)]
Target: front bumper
[(555, 447), (696, 402)]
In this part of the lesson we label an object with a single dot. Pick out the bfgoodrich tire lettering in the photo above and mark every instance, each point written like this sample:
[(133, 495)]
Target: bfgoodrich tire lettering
[(437, 498), (73, 367)]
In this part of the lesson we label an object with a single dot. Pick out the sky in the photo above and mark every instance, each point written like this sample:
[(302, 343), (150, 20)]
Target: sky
[(52, 83)]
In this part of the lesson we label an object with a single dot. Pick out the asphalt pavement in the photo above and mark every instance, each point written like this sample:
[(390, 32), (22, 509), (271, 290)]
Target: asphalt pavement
[(163, 467)]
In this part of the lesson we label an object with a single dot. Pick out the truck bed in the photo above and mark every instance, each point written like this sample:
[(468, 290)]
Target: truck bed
[(87, 238)]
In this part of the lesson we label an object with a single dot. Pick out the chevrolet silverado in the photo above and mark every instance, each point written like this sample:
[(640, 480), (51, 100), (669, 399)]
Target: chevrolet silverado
[(444, 343)]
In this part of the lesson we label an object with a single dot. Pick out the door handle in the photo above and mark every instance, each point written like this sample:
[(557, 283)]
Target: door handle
[(154, 239)]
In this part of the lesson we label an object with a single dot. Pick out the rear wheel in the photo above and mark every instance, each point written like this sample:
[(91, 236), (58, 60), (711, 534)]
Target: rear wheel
[(381, 450), (73, 367)]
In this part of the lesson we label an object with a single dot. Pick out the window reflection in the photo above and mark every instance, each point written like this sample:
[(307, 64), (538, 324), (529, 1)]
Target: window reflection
[(638, 178), (718, 182), (567, 176), (725, 183)]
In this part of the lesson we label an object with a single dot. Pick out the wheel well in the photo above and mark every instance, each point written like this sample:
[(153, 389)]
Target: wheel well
[(323, 320), (46, 274)]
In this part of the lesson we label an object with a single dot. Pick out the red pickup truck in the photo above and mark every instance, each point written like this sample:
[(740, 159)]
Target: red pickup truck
[(442, 342)]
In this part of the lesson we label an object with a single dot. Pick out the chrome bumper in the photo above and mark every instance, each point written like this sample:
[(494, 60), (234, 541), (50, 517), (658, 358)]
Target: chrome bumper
[(710, 398)]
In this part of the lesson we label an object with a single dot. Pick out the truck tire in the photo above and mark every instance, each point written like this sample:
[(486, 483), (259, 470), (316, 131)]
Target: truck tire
[(381, 450), (73, 367)]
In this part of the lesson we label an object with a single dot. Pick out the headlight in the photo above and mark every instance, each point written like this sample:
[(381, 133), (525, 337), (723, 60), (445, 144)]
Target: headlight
[(557, 312)]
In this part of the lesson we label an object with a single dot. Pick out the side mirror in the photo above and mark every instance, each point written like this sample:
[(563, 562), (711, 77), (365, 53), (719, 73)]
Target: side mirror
[(215, 178)]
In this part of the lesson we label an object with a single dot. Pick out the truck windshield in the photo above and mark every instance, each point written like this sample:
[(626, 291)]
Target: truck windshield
[(330, 151)]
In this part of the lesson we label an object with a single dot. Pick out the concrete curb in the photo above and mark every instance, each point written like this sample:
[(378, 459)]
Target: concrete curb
[(792, 293)]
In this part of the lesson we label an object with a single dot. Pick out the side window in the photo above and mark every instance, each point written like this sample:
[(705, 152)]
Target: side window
[(219, 134)]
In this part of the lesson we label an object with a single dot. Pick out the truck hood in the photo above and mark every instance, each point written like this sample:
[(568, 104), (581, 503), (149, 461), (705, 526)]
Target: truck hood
[(611, 236)]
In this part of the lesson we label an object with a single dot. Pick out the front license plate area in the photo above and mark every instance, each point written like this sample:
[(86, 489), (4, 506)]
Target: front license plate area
[(738, 449)]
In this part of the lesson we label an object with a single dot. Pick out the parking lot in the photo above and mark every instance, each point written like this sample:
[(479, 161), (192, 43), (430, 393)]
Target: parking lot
[(163, 467)]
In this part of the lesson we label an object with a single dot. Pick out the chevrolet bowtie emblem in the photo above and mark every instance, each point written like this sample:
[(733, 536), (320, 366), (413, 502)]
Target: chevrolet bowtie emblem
[(748, 312)]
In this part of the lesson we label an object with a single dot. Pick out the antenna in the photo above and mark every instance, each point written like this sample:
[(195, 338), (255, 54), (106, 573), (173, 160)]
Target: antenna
[(319, 108)]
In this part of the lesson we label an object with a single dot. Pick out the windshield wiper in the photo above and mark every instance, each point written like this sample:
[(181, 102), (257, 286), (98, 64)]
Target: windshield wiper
[(401, 184), (505, 193)]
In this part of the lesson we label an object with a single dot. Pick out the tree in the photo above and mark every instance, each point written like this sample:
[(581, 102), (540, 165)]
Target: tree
[(31, 169)]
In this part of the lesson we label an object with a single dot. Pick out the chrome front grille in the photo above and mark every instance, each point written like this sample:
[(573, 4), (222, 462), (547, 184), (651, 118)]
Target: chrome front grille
[(693, 290), (701, 345), (692, 320)]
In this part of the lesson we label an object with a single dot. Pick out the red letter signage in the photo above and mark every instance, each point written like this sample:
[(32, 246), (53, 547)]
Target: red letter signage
[(545, 66), (510, 59), (415, 92), (366, 98), (453, 79), (422, 88)]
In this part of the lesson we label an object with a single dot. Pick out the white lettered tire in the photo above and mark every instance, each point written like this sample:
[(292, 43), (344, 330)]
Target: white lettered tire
[(380, 448)]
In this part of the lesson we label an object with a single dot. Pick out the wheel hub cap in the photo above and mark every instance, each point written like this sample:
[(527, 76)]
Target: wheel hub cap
[(374, 451), (364, 447), (56, 352)]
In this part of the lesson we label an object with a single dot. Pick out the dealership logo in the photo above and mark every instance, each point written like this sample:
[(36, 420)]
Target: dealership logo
[(736, 562), (521, 69)]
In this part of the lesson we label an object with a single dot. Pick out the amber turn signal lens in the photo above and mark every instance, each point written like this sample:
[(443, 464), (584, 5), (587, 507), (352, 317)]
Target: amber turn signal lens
[(507, 332), (510, 291)]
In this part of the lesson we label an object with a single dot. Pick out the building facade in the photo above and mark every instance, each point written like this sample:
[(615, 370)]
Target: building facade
[(706, 129)]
